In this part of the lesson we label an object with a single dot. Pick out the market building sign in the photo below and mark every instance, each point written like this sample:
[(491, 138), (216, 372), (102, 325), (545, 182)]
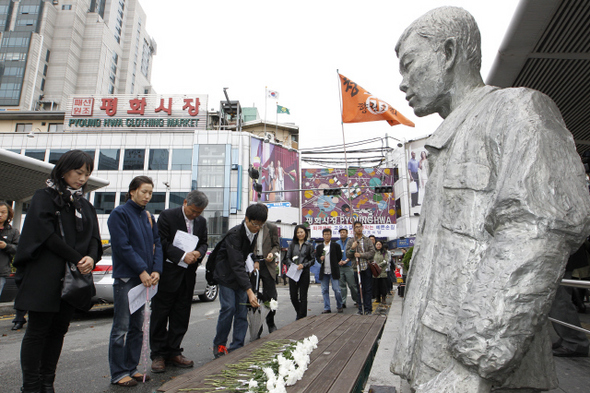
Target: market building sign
[(153, 112)]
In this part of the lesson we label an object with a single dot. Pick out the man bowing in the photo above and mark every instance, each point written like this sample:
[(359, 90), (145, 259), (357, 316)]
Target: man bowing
[(171, 306)]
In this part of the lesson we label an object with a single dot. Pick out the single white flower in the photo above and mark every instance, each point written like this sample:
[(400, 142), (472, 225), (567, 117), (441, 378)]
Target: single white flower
[(274, 305), (252, 384), (296, 257)]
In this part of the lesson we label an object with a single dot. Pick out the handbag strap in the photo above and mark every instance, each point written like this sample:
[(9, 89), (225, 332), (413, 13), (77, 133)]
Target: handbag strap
[(149, 218), (61, 227)]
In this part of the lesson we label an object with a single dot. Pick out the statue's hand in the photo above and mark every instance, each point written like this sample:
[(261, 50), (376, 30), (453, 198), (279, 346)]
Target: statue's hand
[(456, 379)]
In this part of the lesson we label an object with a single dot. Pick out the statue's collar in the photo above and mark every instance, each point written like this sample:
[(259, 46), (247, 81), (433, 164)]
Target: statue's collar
[(445, 132)]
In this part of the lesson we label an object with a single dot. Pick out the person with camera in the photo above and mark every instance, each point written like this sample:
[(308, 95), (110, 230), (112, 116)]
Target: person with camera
[(235, 288)]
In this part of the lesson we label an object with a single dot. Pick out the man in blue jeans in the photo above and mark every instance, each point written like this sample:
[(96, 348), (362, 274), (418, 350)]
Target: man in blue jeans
[(235, 289), (329, 255)]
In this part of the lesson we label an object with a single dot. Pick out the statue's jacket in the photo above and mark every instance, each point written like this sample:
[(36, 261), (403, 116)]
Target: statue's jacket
[(505, 204)]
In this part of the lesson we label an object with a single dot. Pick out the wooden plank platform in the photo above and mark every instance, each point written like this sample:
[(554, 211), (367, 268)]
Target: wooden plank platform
[(346, 344)]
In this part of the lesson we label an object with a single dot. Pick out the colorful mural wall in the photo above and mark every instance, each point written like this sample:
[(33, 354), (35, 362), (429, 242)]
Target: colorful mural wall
[(358, 202), (279, 171)]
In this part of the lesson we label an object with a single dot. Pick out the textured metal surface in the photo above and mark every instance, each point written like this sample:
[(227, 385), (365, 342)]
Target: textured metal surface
[(505, 205)]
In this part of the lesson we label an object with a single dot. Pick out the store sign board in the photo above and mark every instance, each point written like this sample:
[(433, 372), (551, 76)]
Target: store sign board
[(132, 113)]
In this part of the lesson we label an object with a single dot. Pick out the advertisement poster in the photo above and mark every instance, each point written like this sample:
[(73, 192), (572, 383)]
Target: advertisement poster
[(417, 159), (279, 171), (358, 202)]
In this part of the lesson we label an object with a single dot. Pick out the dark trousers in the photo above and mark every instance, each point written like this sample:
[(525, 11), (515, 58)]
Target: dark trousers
[(563, 309), (42, 344), (171, 312), (367, 290), (382, 288), (269, 291), (298, 294)]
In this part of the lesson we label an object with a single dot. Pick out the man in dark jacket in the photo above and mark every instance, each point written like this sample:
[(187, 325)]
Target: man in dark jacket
[(235, 289), (171, 306), (329, 255)]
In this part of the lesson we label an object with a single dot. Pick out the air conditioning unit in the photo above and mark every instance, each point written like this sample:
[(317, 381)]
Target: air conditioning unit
[(268, 137)]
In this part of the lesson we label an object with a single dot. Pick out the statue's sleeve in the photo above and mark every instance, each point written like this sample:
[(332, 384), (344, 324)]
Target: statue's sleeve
[(538, 215)]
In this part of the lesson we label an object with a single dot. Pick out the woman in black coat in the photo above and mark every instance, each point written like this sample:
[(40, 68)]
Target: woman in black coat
[(8, 242), (41, 258), (300, 253)]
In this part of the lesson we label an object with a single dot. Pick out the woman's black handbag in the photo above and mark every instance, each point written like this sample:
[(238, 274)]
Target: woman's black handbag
[(78, 289)]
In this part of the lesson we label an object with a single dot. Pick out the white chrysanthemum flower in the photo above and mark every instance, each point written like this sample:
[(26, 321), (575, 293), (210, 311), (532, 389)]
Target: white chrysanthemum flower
[(274, 305), (252, 384)]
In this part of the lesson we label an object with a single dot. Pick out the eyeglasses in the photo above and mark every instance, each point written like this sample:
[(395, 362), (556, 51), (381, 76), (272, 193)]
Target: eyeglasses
[(255, 225)]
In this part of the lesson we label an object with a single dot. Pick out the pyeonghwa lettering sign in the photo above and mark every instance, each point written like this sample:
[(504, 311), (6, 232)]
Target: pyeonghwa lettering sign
[(152, 112)]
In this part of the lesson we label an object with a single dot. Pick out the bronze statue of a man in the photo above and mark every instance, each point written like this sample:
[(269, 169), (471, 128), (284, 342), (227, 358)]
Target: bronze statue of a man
[(505, 204)]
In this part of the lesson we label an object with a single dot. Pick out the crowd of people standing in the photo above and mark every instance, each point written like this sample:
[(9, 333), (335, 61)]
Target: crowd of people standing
[(61, 226)]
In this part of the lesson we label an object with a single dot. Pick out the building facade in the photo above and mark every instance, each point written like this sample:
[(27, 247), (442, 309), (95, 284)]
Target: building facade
[(50, 50)]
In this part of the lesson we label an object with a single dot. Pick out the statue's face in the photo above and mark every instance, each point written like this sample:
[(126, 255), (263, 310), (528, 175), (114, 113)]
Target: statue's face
[(423, 74)]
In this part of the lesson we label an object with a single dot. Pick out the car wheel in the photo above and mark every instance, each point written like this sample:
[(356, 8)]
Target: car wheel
[(210, 294)]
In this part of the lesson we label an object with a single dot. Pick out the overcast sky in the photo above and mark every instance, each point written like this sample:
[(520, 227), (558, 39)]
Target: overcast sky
[(295, 48)]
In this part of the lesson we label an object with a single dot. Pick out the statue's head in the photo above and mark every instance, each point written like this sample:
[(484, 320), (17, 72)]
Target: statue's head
[(431, 51)]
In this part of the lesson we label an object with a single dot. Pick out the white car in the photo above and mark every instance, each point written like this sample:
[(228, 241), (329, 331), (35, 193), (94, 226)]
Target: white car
[(103, 281)]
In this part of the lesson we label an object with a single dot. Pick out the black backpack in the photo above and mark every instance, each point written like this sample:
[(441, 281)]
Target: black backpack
[(212, 262)]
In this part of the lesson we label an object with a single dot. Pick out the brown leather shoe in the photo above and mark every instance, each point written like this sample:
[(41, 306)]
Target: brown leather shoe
[(181, 361), (158, 365)]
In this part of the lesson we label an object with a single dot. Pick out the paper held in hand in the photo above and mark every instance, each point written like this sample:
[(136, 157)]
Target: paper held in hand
[(187, 242), (139, 295), (293, 273), (249, 264)]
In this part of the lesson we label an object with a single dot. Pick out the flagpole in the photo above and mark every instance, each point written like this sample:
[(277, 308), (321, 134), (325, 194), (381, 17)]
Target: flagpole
[(265, 99), (344, 145), (277, 122)]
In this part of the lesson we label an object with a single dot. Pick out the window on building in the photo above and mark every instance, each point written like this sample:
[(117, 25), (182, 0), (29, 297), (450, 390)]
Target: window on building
[(45, 70), (24, 127), (122, 198), (55, 155), (133, 159), (145, 58), (37, 154), (104, 202), (111, 89), (398, 209), (177, 199), (66, 7), (55, 127), (182, 159), (42, 87), (91, 153), (47, 55), (108, 159), (158, 203), (395, 175), (158, 160)]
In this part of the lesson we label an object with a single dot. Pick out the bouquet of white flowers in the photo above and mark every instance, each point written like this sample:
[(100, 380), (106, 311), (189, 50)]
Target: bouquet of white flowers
[(288, 361)]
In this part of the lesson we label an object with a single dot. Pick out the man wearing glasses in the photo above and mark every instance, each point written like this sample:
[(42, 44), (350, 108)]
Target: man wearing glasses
[(235, 289)]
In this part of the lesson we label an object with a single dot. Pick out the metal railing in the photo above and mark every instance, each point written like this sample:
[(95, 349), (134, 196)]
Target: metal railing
[(575, 284)]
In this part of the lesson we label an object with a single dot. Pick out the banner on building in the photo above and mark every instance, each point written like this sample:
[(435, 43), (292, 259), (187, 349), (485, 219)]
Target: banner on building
[(417, 159), (360, 200), (279, 171), (151, 112)]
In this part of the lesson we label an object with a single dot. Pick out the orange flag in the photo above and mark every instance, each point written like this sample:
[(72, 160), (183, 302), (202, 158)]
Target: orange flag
[(358, 106)]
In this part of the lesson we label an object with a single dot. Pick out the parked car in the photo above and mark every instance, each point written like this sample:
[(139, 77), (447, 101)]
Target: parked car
[(9, 292), (103, 281)]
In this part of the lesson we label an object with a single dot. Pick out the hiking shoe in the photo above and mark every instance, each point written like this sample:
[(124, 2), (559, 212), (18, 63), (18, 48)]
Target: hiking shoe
[(219, 351)]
